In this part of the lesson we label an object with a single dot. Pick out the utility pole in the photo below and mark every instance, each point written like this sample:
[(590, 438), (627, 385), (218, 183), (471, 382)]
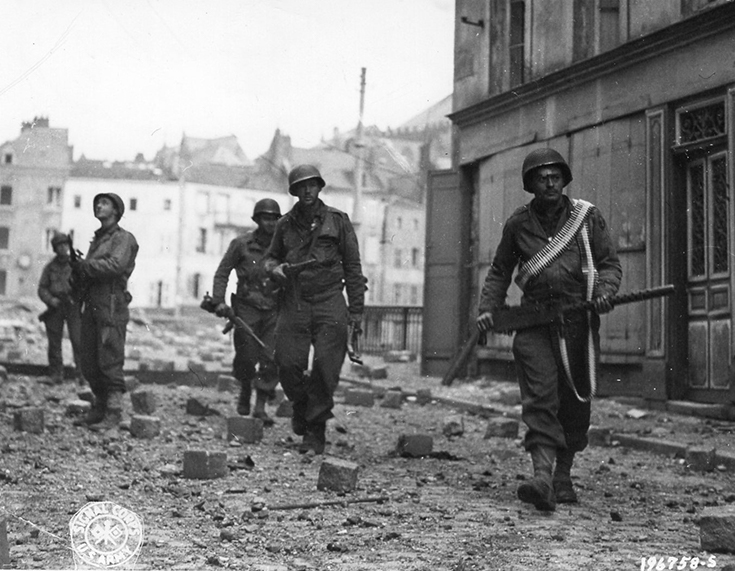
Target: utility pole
[(359, 167)]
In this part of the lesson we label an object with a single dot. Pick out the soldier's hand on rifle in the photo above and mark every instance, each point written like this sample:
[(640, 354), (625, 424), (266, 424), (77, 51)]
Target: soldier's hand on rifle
[(221, 310), (279, 273), (485, 321), (602, 304)]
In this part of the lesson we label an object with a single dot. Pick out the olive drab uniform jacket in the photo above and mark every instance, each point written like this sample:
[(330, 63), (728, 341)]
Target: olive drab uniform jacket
[(56, 282), (254, 286), (330, 239), (563, 279)]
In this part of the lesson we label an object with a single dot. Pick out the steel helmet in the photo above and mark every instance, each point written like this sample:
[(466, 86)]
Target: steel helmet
[(116, 200), (301, 173), (59, 238), (266, 206), (545, 158)]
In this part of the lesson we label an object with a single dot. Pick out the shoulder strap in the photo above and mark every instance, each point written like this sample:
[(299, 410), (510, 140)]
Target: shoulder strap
[(558, 244)]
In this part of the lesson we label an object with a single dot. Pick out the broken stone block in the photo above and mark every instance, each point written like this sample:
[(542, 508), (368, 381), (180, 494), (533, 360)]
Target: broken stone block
[(399, 356), (380, 372), (337, 475), (359, 397), (717, 529), (142, 426), (197, 408), (700, 458), (227, 384), (134, 355), (453, 425), (284, 409), (29, 419), (510, 396), (423, 396), (414, 445), (360, 370), (204, 465), (392, 399), (131, 383), (144, 402), (501, 427), (244, 429), (599, 436), (77, 406)]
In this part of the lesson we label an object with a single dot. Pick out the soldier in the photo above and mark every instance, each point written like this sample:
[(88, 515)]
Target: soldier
[(255, 303), (56, 290), (564, 253), (104, 277), (313, 313)]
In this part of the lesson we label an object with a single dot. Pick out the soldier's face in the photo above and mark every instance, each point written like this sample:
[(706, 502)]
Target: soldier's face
[(547, 185), (104, 209), (62, 249), (308, 191), (267, 222)]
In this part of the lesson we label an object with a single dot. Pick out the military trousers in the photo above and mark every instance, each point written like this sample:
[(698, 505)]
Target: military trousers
[(305, 325), (103, 351), (249, 354), (56, 317), (554, 416)]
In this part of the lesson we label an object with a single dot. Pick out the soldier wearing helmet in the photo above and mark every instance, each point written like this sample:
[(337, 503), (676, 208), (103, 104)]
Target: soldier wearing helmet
[(556, 366), (56, 289), (313, 311), (104, 274), (255, 302)]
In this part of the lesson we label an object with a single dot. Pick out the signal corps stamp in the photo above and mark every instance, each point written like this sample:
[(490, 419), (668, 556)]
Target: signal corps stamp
[(105, 535)]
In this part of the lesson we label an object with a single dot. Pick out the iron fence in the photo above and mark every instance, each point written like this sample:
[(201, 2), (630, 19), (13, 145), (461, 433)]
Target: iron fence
[(392, 328)]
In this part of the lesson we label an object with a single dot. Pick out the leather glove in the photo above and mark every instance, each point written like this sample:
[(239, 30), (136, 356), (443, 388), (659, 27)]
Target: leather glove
[(485, 321), (602, 304)]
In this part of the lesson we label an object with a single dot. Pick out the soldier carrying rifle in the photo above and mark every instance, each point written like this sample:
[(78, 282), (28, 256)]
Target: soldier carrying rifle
[(564, 254)]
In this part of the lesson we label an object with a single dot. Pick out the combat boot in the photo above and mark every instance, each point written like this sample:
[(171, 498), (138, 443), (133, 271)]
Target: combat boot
[(243, 401), (259, 412), (563, 488), (539, 491), (298, 422), (315, 439), (113, 413), (96, 413)]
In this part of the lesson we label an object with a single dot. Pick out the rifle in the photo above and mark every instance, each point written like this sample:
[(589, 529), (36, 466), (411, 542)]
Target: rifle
[(513, 318), (78, 281), (209, 306), (293, 270)]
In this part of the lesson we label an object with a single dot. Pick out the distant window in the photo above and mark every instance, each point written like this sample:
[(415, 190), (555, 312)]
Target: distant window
[(202, 241), (415, 224), (517, 44), (196, 282), (399, 222), (397, 258), (167, 204), (3, 282), (6, 195), (397, 293), (414, 295), (77, 201), (133, 204), (415, 257), (4, 237), (8, 158), (53, 196), (609, 24)]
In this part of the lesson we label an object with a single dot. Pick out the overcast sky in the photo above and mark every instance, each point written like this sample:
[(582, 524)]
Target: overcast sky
[(128, 76)]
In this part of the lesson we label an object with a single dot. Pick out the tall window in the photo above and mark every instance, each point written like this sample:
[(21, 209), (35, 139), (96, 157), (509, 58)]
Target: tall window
[(167, 204), (202, 241), (77, 201), (609, 24), (4, 237), (517, 41), (6, 195), (133, 204), (53, 196), (397, 293), (397, 258), (196, 283), (3, 282), (8, 158)]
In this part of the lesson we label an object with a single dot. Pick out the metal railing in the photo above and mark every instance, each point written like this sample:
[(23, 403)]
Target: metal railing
[(392, 328)]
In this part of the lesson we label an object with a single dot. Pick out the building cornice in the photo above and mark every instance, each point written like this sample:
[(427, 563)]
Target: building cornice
[(693, 29)]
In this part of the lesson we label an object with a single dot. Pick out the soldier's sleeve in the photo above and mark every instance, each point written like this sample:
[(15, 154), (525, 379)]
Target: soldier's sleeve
[(43, 286), (117, 261), (355, 281), (222, 274), (499, 276), (608, 266)]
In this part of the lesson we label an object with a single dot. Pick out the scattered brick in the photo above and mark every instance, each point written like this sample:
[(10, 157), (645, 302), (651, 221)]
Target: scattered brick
[(359, 397), (510, 396), (144, 402), (285, 409), (198, 408), (399, 357), (134, 355), (360, 370), (244, 429), (337, 475), (414, 445), (77, 406), (142, 426), (227, 384), (700, 458), (423, 396), (599, 436), (392, 399), (29, 419), (379, 372), (204, 465), (717, 529), (501, 427), (453, 425)]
